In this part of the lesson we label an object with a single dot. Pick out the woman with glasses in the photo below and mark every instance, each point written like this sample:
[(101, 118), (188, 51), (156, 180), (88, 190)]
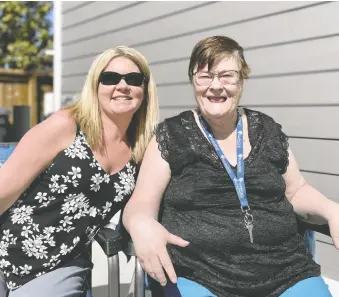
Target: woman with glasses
[(70, 174), (226, 189)]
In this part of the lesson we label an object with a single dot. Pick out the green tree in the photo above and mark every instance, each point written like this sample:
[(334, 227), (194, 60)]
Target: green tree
[(24, 34)]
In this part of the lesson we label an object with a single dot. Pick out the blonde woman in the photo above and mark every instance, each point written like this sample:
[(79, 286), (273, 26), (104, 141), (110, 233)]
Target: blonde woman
[(70, 174)]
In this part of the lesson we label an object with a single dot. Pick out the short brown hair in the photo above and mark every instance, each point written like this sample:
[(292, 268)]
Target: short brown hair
[(211, 50)]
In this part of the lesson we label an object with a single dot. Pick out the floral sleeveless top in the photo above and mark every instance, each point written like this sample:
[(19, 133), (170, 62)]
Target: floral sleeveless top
[(54, 220)]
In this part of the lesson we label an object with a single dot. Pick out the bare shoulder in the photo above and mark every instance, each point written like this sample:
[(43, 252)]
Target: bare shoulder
[(60, 123), (58, 129), (61, 120)]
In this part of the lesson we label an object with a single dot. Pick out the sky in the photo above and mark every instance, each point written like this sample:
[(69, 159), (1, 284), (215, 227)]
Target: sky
[(50, 17)]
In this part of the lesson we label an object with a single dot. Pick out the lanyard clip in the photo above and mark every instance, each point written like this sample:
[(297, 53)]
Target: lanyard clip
[(245, 208), (248, 217)]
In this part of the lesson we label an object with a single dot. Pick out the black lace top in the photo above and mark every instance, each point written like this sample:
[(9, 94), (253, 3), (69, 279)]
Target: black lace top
[(200, 204), (59, 214)]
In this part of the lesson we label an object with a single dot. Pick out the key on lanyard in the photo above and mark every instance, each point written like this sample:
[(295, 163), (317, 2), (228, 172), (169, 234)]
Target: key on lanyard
[(249, 224)]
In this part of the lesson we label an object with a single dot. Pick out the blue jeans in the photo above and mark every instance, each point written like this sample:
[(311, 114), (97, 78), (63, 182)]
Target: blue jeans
[(186, 288), (66, 281), (310, 287)]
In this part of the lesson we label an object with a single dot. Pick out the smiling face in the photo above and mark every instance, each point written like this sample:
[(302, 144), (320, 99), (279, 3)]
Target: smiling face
[(219, 100), (121, 98)]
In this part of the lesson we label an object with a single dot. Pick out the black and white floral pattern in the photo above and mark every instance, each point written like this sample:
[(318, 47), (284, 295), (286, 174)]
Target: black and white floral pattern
[(126, 183), (60, 213)]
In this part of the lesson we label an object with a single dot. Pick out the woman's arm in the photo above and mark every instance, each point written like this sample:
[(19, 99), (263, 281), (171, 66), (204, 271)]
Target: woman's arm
[(33, 154), (152, 181), (141, 213), (309, 203)]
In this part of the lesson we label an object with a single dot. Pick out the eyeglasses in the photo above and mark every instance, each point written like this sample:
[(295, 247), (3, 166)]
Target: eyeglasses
[(230, 77), (109, 78)]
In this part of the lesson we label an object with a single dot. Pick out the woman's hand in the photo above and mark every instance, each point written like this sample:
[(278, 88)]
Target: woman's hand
[(150, 239)]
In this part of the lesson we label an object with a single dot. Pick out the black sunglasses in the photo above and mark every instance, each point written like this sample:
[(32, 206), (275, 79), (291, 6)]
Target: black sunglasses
[(113, 78)]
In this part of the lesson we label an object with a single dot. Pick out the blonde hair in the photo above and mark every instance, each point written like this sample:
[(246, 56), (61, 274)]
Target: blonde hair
[(86, 110)]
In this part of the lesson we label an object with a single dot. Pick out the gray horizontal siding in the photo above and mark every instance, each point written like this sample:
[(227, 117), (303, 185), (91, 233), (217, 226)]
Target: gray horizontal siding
[(229, 18), (88, 13), (73, 6), (118, 18), (327, 257), (179, 34), (292, 48)]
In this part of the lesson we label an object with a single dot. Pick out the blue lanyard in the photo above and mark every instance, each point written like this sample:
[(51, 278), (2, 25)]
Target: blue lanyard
[(238, 180)]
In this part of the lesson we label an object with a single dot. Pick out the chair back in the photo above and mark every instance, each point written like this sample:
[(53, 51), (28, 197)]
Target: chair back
[(6, 148)]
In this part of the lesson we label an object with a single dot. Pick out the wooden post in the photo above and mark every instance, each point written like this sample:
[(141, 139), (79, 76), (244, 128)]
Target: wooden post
[(32, 98), (18, 87)]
